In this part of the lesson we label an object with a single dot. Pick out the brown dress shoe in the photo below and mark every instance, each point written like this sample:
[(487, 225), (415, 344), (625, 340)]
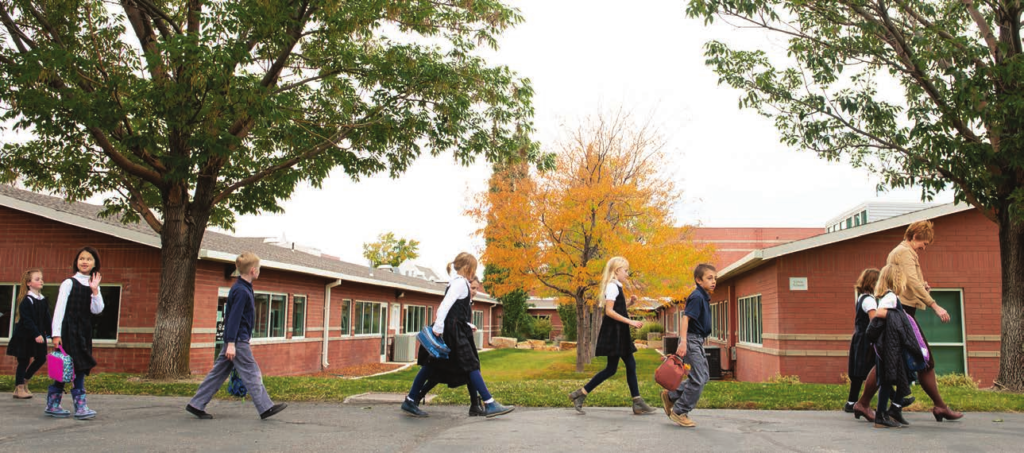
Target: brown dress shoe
[(667, 402), (682, 420), (946, 413), (861, 411)]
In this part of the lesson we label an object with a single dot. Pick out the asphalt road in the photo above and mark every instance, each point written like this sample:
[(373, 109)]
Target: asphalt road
[(139, 423)]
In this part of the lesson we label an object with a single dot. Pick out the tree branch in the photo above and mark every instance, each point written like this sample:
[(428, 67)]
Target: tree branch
[(123, 162)]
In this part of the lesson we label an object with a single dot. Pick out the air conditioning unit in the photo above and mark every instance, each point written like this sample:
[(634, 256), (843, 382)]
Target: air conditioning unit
[(478, 338), (405, 347)]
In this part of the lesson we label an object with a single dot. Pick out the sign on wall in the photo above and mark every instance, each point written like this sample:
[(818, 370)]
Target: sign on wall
[(798, 283)]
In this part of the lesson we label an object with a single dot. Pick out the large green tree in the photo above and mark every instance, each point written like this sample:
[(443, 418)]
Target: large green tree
[(925, 93), (390, 250), (190, 112)]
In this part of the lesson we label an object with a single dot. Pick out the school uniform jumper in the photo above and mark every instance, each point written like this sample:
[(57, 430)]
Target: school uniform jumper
[(698, 310), (458, 336), (240, 318), (34, 321), (72, 322), (861, 357), (615, 342)]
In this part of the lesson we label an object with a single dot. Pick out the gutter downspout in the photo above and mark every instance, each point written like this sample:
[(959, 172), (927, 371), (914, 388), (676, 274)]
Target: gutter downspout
[(327, 321)]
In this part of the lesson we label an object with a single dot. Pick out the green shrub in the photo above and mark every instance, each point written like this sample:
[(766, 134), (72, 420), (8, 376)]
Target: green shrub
[(567, 313), (541, 329), (648, 327), (958, 380)]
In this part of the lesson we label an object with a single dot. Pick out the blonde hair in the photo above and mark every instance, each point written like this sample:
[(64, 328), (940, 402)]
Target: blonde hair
[(613, 266), (23, 291), (922, 230), (890, 278), (465, 265), (246, 261)]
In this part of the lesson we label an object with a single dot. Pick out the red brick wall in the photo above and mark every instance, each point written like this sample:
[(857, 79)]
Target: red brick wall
[(965, 255), (732, 244)]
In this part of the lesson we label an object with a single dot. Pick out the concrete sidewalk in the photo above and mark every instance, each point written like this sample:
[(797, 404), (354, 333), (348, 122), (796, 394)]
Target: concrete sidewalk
[(141, 423)]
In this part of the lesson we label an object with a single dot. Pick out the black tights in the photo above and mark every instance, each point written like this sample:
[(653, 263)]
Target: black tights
[(25, 371), (855, 383)]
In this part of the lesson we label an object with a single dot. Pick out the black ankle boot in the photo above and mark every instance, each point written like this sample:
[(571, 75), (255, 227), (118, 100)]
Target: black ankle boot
[(882, 420), (896, 414), (848, 408), (476, 407)]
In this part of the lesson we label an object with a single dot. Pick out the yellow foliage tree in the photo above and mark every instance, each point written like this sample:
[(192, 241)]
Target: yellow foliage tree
[(554, 231)]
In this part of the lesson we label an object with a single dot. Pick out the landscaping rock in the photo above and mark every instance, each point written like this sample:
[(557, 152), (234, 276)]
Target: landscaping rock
[(536, 344), (567, 345), (503, 342), (524, 345)]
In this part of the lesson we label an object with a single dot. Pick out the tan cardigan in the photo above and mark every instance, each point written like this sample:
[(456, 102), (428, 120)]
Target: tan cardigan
[(907, 260)]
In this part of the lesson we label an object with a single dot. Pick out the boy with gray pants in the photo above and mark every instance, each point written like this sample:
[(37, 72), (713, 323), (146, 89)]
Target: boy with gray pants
[(240, 317), (696, 326)]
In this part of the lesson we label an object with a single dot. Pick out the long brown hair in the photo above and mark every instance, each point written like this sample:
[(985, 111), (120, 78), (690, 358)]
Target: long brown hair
[(866, 282), (465, 265), (23, 290)]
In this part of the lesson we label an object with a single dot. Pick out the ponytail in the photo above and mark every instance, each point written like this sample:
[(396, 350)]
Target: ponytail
[(464, 264), (23, 291)]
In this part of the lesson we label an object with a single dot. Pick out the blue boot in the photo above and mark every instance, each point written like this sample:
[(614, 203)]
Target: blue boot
[(494, 409), (411, 408), (82, 411), (53, 398)]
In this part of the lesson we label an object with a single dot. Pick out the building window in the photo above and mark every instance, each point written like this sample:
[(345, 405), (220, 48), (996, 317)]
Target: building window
[(298, 316), (856, 220), (478, 319), (271, 310), (346, 316), (368, 317), (719, 321), (749, 314), (864, 217), (849, 222), (104, 325), (415, 318), (946, 340)]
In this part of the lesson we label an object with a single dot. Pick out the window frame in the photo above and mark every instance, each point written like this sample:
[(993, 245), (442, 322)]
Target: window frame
[(270, 305), (473, 314), (750, 318), (305, 313), (720, 321), (354, 326), (405, 317), (346, 310)]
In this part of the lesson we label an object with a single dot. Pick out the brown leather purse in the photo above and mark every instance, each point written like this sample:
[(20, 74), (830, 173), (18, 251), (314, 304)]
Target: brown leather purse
[(671, 372)]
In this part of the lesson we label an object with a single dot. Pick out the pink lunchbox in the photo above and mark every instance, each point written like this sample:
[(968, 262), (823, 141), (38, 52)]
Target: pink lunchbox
[(60, 366)]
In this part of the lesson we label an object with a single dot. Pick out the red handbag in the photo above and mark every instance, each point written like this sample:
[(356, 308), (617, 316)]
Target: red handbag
[(671, 372)]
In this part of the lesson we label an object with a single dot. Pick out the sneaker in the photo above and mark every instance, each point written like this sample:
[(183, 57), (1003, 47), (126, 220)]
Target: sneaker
[(681, 420), (200, 414), (494, 409), (666, 401), (273, 410), (413, 409), (848, 408)]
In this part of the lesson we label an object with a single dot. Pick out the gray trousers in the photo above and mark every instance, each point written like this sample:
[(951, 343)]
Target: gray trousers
[(248, 370), (688, 393)]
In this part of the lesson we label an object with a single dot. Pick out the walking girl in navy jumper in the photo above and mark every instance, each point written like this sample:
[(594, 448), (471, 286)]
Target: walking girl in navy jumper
[(78, 300), (31, 330), (862, 358), (894, 338), (462, 367), (614, 340)]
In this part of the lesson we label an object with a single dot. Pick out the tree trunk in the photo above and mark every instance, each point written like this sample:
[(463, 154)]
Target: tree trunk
[(1011, 253), (180, 241), (584, 340)]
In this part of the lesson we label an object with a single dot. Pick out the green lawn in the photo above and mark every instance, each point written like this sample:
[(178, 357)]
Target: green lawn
[(543, 379)]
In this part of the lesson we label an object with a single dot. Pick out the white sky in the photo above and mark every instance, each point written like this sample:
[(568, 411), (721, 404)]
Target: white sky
[(584, 56)]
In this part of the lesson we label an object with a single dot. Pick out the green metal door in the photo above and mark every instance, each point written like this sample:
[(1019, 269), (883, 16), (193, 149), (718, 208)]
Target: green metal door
[(946, 339)]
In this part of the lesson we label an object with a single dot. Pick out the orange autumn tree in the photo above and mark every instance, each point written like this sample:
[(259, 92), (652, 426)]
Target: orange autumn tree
[(552, 232)]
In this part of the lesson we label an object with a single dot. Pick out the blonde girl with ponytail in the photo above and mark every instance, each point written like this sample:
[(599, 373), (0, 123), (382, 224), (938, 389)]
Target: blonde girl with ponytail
[(31, 330), (614, 341)]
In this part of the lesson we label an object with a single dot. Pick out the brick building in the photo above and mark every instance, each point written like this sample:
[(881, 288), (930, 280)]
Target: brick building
[(787, 309), (314, 312)]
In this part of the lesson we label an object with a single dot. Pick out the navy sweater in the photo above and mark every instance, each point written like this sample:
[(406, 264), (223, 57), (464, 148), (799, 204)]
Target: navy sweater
[(239, 312)]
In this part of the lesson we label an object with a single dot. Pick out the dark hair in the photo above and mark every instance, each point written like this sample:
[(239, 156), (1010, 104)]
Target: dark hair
[(701, 269), (95, 257), (867, 281)]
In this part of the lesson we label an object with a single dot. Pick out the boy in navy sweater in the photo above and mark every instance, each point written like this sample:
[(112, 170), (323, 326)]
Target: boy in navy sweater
[(240, 317), (696, 326)]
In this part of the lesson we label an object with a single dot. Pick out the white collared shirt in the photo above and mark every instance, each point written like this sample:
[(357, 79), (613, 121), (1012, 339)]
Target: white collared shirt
[(458, 288), (96, 307), (612, 290)]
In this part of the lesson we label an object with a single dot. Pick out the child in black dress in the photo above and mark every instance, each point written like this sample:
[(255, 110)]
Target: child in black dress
[(894, 339), (462, 367), (862, 358), (78, 300), (614, 340), (32, 328)]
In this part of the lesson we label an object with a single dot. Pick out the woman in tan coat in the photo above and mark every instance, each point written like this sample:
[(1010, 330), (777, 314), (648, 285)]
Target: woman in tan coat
[(916, 297)]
